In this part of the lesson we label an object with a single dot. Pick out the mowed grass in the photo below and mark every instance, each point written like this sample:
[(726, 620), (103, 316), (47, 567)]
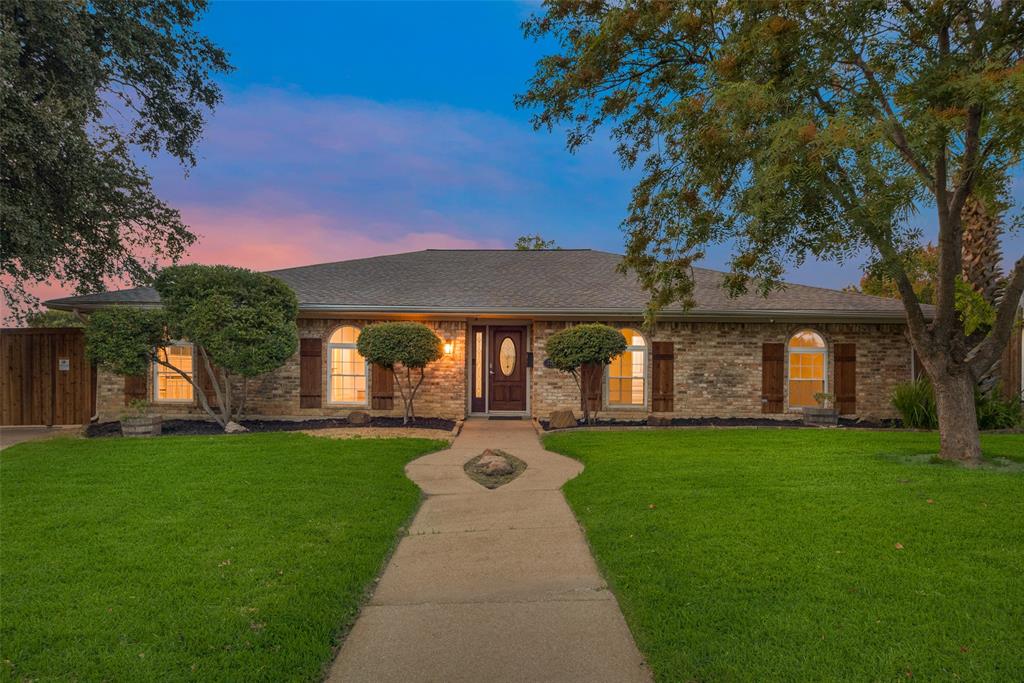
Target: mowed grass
[(192, 558), (800, 555)]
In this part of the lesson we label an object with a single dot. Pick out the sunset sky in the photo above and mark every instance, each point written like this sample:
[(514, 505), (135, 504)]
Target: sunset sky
[(350, 130)]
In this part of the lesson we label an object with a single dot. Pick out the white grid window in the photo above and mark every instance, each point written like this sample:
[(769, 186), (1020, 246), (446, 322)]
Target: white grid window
[(346, 369), (627, 373), (168, 385)]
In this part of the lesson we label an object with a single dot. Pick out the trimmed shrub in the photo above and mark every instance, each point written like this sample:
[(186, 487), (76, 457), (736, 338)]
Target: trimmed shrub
[(409, 344), (580, 345)]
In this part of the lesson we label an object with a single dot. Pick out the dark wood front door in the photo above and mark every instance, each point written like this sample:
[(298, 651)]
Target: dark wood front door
[(507, 368)]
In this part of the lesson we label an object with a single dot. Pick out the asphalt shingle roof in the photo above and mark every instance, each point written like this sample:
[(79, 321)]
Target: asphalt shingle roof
[(509, 281)]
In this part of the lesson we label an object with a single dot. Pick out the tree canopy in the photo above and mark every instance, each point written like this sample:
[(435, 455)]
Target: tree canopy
[(591, 344), (241, 324), (795, 130), (533, 242), (410, 345), (88, 86)]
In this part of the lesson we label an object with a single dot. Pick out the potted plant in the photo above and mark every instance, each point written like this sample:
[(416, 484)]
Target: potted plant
[(824, 414), (136, 420)]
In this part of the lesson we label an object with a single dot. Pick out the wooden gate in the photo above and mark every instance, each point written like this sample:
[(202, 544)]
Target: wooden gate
[(46, 378)]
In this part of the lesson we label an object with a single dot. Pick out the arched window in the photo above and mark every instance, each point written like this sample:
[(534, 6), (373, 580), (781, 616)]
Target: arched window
[(627, 374), (346, 369), (806, 368)]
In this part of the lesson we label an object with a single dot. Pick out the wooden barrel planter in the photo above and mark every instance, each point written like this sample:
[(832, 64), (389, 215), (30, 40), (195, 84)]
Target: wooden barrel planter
[(821, 417), (141, 426)]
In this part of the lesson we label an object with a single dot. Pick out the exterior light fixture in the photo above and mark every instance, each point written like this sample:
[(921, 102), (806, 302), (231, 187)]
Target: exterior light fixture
[(449, 345)]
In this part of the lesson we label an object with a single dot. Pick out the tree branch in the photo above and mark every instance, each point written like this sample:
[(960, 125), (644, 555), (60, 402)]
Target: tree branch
[(988, 351)]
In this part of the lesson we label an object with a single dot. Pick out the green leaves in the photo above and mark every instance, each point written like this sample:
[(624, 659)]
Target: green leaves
[(244, 320), (579, 345), (787, 129), (413, 345), (86, 87), (123, 338)]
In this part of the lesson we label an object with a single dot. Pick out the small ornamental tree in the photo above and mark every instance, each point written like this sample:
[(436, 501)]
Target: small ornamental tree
[(407, 344), (573, 348), (241, 324)]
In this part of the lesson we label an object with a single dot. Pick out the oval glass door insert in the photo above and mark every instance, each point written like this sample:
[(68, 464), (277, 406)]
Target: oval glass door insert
[(507, 356)]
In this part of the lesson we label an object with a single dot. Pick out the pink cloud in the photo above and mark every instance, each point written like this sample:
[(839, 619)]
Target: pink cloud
[(273, 240)]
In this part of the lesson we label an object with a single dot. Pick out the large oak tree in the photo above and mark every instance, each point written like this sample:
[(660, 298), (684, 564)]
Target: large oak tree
[(795, 129), (87, 88)]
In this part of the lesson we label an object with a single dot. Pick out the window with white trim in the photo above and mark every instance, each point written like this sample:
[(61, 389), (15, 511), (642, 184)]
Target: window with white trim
[(627, 373), (807, 364), (168, 385), (346, 368)]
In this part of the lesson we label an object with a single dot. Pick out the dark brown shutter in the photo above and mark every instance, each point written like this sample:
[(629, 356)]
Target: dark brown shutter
[(310, 373), (134, 388), (592, 377), (663, 384), (204, 381), (773, 362), (846, 378), (382, 387)]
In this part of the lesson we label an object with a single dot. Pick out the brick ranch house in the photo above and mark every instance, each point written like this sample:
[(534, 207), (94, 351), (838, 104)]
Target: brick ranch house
[(494, 311)]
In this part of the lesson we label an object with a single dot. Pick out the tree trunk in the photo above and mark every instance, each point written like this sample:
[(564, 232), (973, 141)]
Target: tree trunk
[(959, 438)]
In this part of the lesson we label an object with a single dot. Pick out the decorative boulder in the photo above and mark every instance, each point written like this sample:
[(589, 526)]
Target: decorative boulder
[(358, 417), (561, 419), (234, 428), (494, 465)]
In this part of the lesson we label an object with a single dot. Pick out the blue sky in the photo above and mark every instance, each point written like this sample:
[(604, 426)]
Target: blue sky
[(352, 129)]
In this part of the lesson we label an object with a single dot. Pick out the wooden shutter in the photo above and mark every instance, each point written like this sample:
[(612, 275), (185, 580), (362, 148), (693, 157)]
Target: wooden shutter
[(846, 378), (310, 373), (662, 381), (382, 387), (592, 379), (773, 364), (204, 381), (134, 388)]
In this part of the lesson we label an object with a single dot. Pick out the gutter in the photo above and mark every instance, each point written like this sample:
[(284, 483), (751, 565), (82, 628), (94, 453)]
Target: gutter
[(560, 313)]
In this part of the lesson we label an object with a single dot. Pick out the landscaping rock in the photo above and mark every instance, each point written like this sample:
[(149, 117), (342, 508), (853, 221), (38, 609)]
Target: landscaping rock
[(562, 419), (234, 428), (358, 417), (494, 466), (659, 421)]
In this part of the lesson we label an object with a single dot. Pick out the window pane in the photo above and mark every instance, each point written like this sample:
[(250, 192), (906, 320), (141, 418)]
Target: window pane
[(346, 368), (478, 365), (169, 385), (345, 335)]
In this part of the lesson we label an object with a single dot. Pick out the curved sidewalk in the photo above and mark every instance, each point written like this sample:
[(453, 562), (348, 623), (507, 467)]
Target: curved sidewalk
[(491, 585)]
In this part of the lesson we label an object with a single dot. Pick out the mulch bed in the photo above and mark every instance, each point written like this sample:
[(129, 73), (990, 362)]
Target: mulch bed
[(201, 427), (735, 422), (474, 472)]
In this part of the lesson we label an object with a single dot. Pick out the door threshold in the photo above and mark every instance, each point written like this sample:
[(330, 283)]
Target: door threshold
[(506, 417)]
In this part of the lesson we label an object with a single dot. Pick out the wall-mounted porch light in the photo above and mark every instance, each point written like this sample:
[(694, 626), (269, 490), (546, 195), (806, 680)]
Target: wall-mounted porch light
[(449, 345)]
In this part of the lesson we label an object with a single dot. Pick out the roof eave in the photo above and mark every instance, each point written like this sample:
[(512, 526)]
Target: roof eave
[(553, 313)]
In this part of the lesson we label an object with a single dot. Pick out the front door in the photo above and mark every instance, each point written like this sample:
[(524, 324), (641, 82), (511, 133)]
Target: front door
[(507, 368)]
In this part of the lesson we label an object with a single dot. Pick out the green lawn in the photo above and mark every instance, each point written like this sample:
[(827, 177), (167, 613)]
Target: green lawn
[(192, 558), (755, 555)]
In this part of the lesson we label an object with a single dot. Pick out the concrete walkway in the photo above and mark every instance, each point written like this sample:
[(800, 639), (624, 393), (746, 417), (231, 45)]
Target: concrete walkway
[(491, 585)]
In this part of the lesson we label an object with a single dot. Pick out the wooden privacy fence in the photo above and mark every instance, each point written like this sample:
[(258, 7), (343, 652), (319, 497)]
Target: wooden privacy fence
[(46, 378)]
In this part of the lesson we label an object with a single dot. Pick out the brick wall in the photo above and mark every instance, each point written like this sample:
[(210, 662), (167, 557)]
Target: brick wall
[(717, 372), (717, 367), (276, 394)]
